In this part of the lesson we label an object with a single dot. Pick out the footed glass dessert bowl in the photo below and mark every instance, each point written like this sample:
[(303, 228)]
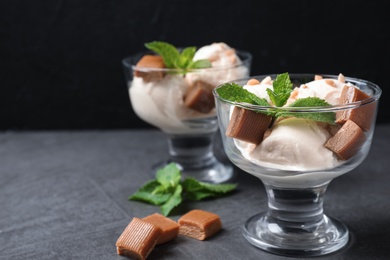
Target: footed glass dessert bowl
[(296, 133), (179, 102)]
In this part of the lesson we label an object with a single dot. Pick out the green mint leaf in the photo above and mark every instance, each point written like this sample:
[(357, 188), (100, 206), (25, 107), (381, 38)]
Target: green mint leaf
[(236, 93), (174, 59), (151, 193), (174, 200), (200, 64), (326, 117), (282, 88), (167, 189), (197, 190), (169, 175), (186, 57), (167, 51), (199, 195), (310, 102)]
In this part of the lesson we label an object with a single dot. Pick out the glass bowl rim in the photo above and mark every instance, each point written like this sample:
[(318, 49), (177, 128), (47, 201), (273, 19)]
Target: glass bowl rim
[(377, 91), (128, 62)]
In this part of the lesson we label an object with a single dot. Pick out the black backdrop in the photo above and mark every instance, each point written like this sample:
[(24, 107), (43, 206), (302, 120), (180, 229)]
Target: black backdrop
[(60, 61)]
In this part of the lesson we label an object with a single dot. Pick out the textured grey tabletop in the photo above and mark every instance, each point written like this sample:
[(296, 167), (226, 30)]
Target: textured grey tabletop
[(63, 195)]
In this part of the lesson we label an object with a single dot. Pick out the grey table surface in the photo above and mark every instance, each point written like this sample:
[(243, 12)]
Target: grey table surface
[(63, 195)]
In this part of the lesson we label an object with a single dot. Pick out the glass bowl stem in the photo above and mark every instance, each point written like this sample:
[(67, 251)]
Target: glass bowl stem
[(294, 224)]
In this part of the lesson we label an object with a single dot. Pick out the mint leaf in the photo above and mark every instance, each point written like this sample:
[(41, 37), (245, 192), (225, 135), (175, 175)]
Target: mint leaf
[(236, 93), (174, 59), (167, 190), (173, 201), (282, 88), (197, 190), (327, 117), (310, 102), (169, 176), (151, 193), (200, 64), (167, 51), (186, 57)]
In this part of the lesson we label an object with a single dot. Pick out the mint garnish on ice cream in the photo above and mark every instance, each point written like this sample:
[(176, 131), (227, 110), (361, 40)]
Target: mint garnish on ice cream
[(282, 88), (176, 59)]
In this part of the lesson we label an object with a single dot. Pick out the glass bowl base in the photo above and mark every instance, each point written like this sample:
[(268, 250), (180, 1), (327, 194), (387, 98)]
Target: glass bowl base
[(212, 172), (290, 239)]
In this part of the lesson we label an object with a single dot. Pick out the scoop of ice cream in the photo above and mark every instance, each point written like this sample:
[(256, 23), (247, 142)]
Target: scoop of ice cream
[(224, 62), (293, 144), (260, 89), (220, 54), (160, 103), (327, 89)]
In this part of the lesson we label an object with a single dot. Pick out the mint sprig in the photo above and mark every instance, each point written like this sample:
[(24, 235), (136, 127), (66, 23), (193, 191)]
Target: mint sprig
[(282, 88), (174, 59), (327, 117), (234, 92), (196, 190), (168, 190)]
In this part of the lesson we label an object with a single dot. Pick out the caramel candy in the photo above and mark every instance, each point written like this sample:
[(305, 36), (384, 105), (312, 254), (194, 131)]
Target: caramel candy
[(169, 228), (362, 115), (138, 239), (347, 141), (247, 125), (330, 82), (200, 97), (253, 82), (199, 224), (150, 61)]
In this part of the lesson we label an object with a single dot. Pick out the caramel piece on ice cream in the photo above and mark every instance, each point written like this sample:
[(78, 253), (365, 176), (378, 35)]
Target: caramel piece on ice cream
[(347, 141), (362, 115), (253, 82), (169, 227), (150, 62), (138, 239), (247, 125), (199, 224), (200, 97)]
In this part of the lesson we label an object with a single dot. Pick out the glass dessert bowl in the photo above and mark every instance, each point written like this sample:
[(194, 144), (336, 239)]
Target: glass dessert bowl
[(322, 128), (179, 102)]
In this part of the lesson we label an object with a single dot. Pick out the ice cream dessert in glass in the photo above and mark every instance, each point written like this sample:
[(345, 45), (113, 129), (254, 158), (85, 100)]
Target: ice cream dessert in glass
[(296, 133), (171, 89)]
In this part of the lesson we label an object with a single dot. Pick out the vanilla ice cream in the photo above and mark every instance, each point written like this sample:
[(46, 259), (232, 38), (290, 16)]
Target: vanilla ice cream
[(295, 144), (260, 89), (327, 89), (225, 64), (161, 103)]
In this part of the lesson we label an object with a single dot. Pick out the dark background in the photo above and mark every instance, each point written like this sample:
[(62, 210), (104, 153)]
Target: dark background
[(60, 61)]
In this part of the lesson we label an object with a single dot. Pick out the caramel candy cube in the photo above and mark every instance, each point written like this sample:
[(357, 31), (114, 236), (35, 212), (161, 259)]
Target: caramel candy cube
[(169, 228), (200, 97), (247, 125), (150, 62), (138, 239), (347, 141), (363, 115), (199, 224)]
